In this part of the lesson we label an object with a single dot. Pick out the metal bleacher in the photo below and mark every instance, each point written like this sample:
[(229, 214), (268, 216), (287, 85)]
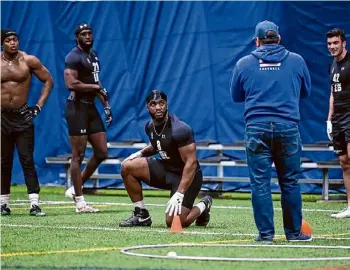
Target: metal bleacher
[(220, 161)]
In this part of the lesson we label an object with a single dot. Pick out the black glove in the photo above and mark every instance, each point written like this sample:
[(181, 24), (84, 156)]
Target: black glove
[(31, 112), (109, 116)]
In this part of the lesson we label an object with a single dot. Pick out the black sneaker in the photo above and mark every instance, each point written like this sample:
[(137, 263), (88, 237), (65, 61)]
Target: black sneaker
[(36, 211), (266, 240), (5, 210), (204, 218), (301, 238), (140, 217)]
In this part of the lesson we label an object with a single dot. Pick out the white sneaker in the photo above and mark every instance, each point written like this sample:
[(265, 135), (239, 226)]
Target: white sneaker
[(70, 193), (86, 209), (343, 214)]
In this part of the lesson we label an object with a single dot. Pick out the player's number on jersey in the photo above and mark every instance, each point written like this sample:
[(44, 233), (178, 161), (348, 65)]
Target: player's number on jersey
[(96, 71), (336, 85), (162, 154)]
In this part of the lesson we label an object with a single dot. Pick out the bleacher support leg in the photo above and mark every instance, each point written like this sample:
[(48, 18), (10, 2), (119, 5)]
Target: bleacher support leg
[(68, 177), (325, 186)]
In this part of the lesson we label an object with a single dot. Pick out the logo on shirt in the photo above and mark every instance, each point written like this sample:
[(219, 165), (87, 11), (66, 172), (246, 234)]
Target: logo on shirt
[(269, 66), (162, 153), (83, 131), (336, 84), (163, 136), (342, 68), (96, 71)]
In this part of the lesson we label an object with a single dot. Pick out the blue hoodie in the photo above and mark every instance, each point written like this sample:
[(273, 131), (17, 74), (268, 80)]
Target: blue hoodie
[(270, 81)]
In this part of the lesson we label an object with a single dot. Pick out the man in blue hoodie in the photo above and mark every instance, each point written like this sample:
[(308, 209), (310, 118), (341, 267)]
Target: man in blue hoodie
[(271, 81)]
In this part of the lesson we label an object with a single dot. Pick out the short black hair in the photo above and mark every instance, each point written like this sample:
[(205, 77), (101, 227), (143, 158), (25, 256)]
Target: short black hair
[(336, 32), (271, 38)]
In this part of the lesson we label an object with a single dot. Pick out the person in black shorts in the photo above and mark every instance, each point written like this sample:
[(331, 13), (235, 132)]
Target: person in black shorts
[(177, 169), (338, 124), (81, 75), (17, 118)]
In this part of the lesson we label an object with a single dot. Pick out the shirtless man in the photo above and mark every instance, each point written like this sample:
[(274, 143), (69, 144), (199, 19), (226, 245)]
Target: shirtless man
[(17, 125)]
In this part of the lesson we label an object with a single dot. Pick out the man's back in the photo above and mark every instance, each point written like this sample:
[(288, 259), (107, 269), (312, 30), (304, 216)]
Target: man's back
[(271, 81)]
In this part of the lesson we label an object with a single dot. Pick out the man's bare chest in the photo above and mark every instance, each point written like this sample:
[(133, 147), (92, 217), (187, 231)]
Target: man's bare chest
[(16, 72)]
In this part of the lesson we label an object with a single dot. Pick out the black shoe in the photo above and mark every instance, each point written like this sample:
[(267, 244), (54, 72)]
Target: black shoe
[(36, 211), (301, 238), (5, 210), (140, 217), (204, 218), (266, 240)]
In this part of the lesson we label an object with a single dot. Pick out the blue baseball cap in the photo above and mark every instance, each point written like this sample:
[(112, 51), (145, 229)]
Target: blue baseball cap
[(263, 27)]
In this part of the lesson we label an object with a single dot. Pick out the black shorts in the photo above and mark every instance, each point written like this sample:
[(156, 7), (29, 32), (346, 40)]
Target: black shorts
[(340, 132), (164, 179), (83, 118)]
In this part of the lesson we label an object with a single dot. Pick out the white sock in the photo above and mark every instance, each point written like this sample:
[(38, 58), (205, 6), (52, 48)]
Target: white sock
[(34, 199), (80, 201), (201, 207), (5, 199), (140, 204)]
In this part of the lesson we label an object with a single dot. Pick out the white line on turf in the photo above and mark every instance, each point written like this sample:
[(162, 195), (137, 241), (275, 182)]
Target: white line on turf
[(25, 202), (127, 251), (149, 230)]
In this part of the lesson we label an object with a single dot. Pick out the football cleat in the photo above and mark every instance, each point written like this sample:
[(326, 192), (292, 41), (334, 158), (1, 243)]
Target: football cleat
[(343, 214), (70, 193), (204, 218), (5, 210), (140, 217), (35, 210), (86, 209)]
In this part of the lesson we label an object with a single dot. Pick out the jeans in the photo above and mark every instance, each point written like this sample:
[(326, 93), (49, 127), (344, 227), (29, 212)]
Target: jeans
[(277, 143)]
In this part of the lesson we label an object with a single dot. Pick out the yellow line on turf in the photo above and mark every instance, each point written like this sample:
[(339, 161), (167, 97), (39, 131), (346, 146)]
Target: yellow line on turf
[(17, 254), (60, 207)]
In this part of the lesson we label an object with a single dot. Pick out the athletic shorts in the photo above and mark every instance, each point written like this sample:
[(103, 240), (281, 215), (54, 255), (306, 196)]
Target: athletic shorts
[(164, 179), (340, 132), (83, 118)]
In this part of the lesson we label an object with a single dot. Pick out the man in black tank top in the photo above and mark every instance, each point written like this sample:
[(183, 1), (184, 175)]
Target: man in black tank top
[(177, 169), (338, 123), (81, 75)]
